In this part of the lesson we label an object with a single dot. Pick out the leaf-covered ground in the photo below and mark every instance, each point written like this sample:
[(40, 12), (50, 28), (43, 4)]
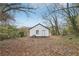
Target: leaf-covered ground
[(52, 46)]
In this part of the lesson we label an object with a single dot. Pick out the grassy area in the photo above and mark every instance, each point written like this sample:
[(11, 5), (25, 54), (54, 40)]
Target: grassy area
[(55, 45), (71, 40)]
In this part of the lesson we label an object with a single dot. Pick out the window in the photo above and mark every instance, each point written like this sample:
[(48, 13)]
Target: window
[(37, 31)]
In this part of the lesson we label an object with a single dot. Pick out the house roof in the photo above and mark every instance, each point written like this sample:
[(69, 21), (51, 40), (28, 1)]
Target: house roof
[(41, 25)]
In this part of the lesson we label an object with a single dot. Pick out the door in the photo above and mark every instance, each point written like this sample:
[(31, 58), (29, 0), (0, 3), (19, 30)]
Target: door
[(43, 32)]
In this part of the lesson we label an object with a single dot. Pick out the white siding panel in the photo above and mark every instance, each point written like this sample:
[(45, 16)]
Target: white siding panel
[(40, 28)]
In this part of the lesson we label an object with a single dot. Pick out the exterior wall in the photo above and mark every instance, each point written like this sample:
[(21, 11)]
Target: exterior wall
[(40, 28)]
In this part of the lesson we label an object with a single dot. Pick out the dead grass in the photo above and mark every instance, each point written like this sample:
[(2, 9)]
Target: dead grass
[(55, 45)]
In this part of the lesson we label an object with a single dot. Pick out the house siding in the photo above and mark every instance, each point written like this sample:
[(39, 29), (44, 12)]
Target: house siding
[(40, 28)]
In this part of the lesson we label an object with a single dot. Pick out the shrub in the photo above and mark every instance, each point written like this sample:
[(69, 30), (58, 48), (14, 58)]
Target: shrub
[(21, 34), (3, 36), (7, 32)]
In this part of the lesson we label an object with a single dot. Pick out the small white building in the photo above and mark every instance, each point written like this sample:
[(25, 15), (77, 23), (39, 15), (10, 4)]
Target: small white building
[(39, 30)]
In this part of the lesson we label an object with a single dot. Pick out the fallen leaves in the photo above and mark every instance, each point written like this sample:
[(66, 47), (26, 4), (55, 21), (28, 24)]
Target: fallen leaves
[(37, 47)]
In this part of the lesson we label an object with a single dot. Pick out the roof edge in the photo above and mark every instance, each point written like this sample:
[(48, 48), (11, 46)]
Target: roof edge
[(39, 24)]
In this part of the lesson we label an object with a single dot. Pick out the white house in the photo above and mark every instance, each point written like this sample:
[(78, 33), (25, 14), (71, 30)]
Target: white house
[(39, 30)]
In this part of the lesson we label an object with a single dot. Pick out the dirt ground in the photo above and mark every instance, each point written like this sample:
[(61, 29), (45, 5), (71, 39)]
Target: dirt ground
[(51, 46)]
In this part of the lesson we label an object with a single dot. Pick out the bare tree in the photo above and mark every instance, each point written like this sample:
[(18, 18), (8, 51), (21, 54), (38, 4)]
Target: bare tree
[(71, 14), (52, 18), (8, 9)]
